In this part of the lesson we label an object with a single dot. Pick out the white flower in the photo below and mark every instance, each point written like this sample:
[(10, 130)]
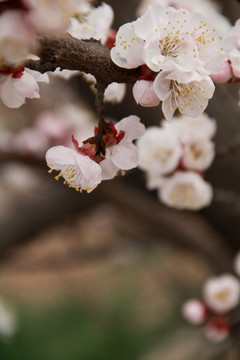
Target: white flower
[(127, 52), (13, 91), (186, 190), (209, 45), (7, 320), (50, 16), (188, 129), (159, 151), (204, 7), (198, 154), (95, 24), (236, 264), (188, 92), (30, 142), (15, 37), (222, 293), (79, 171), (115, 93), (168, 40), (232, 47), (194, 311), (124, 154)]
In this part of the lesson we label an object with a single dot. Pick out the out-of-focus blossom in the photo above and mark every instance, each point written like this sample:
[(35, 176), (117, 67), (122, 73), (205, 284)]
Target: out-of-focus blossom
[(232, 47), (30, 142), (222, 293), (115, 93), (19, 177), (198, 155), (188, 128), (94, 24), (217, 329), (50, 16), (144, 94), (159, 151), (50, 129), (186, 190), (194, 311), (16, 38), (7, 320)]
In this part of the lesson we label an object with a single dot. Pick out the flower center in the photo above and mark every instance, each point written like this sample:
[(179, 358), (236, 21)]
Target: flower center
[(170, 45)]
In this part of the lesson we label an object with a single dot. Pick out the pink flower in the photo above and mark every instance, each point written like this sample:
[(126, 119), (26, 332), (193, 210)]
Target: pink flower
[(224, 75), (194, 311), (144, 94)]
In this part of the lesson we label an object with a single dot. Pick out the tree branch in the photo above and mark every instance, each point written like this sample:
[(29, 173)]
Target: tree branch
[(89, 56)]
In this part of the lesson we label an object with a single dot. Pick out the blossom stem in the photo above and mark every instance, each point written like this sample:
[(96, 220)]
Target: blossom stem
[(101, 86)]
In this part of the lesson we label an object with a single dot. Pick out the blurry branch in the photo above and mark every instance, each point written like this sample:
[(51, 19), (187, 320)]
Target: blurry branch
[(54, 203), (89, 56), (20, 158)]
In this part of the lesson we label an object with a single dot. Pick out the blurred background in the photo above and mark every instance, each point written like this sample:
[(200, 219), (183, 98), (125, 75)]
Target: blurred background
[(103, 276)]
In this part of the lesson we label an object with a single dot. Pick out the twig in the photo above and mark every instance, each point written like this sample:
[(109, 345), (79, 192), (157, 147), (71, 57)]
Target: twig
[(101, 86)]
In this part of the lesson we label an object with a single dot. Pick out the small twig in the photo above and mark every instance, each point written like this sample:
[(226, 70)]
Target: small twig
[(101, 86)]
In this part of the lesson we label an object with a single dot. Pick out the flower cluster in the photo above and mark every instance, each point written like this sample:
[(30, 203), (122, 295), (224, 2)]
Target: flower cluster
[(51, 128), (221, 295), (85, 166), (175, 156), (180, 49)]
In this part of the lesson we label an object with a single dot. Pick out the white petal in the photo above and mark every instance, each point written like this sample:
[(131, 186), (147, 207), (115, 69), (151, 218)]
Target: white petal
[(59, 156), (132, 126), (125, 157)]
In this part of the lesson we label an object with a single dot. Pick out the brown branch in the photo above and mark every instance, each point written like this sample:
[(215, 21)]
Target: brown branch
[(101, 86), (88, 56)]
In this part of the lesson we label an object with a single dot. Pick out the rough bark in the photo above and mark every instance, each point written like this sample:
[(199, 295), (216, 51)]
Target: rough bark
[(89, 56)]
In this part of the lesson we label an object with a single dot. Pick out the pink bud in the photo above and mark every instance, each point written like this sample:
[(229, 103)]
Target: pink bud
[(194, 311), (225, 75), (144, 94)]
